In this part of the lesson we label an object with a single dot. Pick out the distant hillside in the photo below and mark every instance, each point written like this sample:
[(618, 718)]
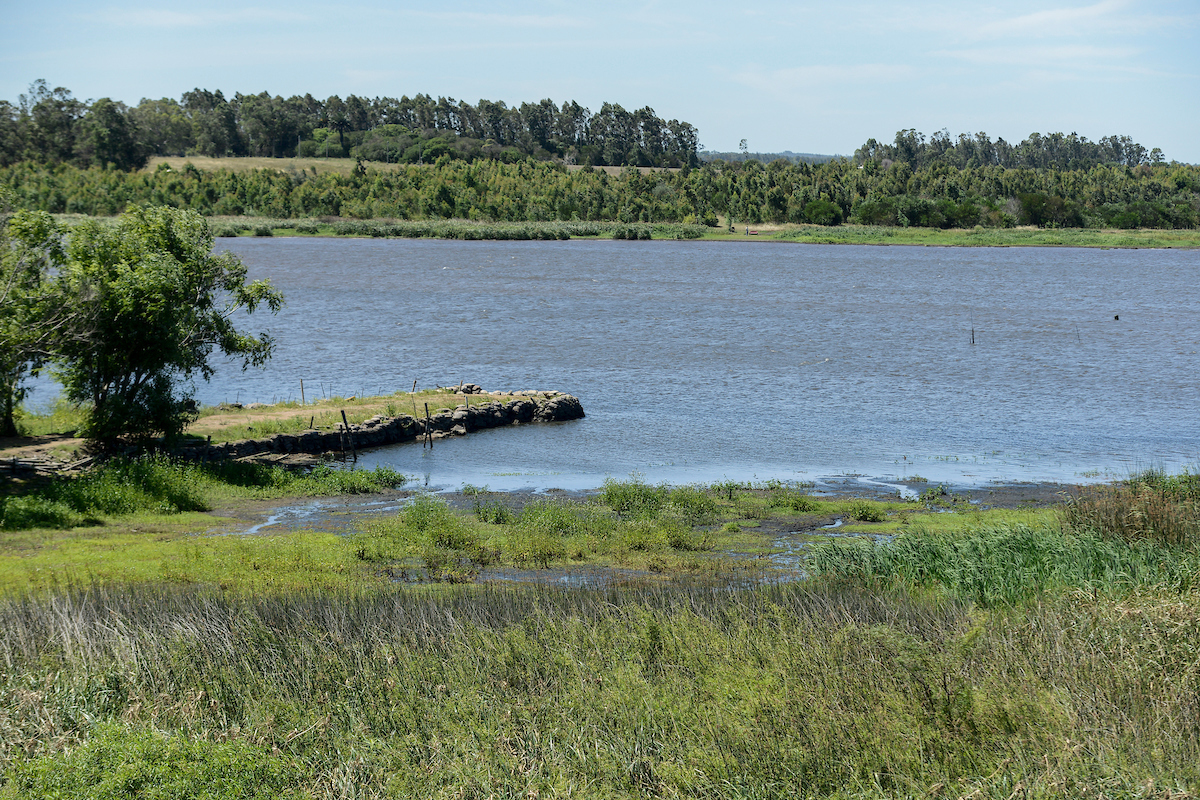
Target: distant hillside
[(767, 158)]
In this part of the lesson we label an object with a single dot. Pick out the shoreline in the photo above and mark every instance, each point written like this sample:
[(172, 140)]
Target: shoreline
[(792, 233)]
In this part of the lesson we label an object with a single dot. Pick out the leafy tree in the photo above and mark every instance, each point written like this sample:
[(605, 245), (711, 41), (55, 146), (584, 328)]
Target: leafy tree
[(54, 116), (12, 134), (30, 249), (152, 304), (163, 126), (214, 127), (107, 135)]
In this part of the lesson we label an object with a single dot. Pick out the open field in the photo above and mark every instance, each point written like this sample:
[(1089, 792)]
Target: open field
[(340, 166), (317, 166)]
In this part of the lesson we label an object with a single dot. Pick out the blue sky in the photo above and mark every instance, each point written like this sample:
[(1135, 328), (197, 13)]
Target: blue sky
[(809, 77)]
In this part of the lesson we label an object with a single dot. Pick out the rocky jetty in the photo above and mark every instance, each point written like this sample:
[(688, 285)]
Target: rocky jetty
[(524, 408)]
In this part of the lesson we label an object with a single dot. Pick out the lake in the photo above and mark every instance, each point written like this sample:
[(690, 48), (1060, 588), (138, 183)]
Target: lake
[(700, 361)]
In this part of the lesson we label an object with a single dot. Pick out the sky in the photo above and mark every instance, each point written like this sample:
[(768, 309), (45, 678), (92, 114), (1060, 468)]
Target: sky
[(807, 77)]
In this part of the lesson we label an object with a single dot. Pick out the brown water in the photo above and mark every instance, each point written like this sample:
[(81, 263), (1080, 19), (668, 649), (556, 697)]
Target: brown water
[(700, 361)]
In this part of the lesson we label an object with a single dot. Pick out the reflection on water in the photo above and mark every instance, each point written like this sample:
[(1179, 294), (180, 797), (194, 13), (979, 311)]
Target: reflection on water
[(701, 361)]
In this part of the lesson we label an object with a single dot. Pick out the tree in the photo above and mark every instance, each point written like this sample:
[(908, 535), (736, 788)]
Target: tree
[(163, 126), (152, 302), (30, 250), (108, 136), (54, 116)]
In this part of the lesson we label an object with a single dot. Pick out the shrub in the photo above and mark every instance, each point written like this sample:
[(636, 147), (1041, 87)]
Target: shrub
[(866, 511), (21, 513), (634, 498), (116, 762), (1150, 506), (793, 501)]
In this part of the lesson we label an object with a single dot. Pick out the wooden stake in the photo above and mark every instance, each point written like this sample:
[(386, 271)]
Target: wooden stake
[(350, 436), (428, 429), (302, 391)]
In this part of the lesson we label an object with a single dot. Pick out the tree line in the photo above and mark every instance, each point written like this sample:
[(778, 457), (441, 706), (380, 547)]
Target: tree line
[(52, 126), (874, 193), (1052, 151)]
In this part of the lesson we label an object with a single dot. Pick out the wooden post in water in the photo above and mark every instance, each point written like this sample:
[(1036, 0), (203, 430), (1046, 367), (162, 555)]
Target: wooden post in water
[(428, 430), (350, 436), (302, 391)]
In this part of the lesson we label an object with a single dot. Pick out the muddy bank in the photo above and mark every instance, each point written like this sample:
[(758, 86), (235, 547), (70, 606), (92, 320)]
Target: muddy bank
[(343, 512)]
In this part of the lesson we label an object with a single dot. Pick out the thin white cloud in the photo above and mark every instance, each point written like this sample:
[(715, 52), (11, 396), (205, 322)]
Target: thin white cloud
[(175, 20), (1076, 57), (1117, 18), (1107, 18), (1082, 20)]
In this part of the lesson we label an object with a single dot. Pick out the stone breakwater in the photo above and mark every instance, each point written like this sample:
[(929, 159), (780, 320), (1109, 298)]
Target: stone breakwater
[(526, 407)]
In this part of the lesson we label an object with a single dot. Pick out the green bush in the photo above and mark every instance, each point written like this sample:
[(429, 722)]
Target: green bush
[(116, 763), (793, 501), (634, 498), (866, 511), (22, 513)]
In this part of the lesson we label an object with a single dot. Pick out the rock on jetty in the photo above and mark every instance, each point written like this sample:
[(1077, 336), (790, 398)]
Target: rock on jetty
[(524, 408)]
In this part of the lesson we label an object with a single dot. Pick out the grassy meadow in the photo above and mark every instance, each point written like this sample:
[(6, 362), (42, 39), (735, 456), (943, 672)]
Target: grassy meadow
[(935, 648)]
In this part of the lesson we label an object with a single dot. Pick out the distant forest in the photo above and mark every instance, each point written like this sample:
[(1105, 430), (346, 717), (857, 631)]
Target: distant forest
[(1052, 151), (489, 162), (51, 125)]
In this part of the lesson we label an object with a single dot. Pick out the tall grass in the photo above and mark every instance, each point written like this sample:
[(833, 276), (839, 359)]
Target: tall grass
[(1150, 506), (1009, 564), (785, 691)]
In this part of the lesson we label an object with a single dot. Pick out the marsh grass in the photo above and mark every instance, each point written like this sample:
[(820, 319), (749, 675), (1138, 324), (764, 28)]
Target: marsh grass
[(1006, 565), (678, 691), (984, 237), (630, 524), (958, 659), (1150, 506)]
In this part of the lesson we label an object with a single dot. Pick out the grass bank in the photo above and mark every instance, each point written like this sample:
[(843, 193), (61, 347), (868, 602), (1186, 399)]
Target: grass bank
[(807, 234), (470, 230), (972, 237)]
